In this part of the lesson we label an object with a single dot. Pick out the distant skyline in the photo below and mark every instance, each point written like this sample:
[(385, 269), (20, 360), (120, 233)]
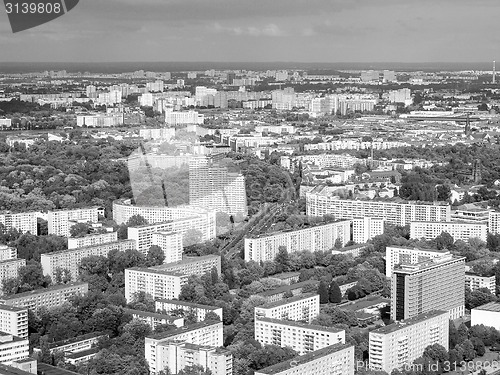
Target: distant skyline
[(262, 31)]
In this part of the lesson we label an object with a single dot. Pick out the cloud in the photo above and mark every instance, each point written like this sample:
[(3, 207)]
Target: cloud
[(270, 30)]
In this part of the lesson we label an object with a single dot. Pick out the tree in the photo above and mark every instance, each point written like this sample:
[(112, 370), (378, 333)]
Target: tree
[(136, 220), (338, 243), (282, 259), (79, 230), (334, 293), (443, 192), (469, 352), (444, 241), (324, 296), (194, 370), (437, 353), (210, 315), (155, 256)]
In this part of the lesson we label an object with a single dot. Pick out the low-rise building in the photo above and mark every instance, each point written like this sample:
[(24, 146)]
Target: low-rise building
[(475, 281), (333, 360), (301, 337), (399, 344), (12, 348), (278, 294), (354, 250), (75, 344), (300, 308), (193, 265), (155, 319), (92, 240), (82, 356), (175, 306)]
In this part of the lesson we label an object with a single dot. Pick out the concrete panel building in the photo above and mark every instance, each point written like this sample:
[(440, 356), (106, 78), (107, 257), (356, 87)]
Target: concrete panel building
[(458, 230), (300, 308), (487, 314)]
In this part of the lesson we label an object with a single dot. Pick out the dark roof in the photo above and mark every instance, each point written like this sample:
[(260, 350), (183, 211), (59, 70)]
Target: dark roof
[(45, 369), (43, 290), (175, 332), (287, 300), (286, 288), (300, 324), (82, 353), (75, 339), (9, 370), (188, 304)]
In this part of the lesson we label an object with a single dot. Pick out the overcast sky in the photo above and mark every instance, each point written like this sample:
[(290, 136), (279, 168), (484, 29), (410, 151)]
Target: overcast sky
[(263, 30)]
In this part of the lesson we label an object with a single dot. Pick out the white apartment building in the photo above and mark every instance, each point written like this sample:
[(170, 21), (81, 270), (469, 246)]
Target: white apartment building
[(203, 333), (155, 319), (408, 255), (474, 281), (92, 240), (7, 252), (100, 120), (182, 118), (156, 283), (5, 122), (193, 265), (316, 238), (333, 360), (398, 213), (170, 243), (364, 229), (48, 297), (175, 355), (14, 321), (354, 250), (345, 161), (169, 305), (300, 308), (458, 230), (399, 344), (70, 259), (217, 185), (437, 284), (494, 222), (59, 221), (488, 314), (23, 221), (12, 348), (301, 337), (9, 268)]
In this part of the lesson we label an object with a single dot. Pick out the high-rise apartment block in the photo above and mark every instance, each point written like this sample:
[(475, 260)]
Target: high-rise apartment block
[(23, 221), (13, 348), (316, 238), (217, 184), (92, 240), (193, 265), (399, 344), (182, 118), (458, 230), (395, 255), (395, 212), (48, 297), (336, 359), (61, 221), (437, 284), (14, 321), (70, 259), (170, 243), (300, 308), (364, 229), (200, 311), (9, 268), (7, 252), (301, 337), (175, 355), (207, 333), (156, 283)]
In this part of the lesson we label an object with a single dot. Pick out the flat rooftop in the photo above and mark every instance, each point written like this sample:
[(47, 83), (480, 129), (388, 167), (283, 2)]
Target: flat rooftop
[(490, 306), (77, 249), (175, 332), (287, 301), (188, 304), (297, 361), (286, 288), (150, 314), (408, 322), (360, 305), (12, 308), (300, 325), (43, 290), (187, 260), (45, 369)]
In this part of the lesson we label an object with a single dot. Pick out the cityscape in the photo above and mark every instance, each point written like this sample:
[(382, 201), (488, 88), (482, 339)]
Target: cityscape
[(195, 189)]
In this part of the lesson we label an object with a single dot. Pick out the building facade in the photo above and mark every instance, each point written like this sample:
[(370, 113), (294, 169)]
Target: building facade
[(14, 321), (458, 230), (155, 283), (13, 348), (200, 311), (170, 243), (9, 268), (61, 221), (48, 297), (487, 314), (301, 337), (23, 221), (474, 281), (399, 344), (155, 319), (364, 229), (317, 238), (92, 240), (394, 212), (333, 360), (395, 255), (437, 284), (70, 259), (300, 308)]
